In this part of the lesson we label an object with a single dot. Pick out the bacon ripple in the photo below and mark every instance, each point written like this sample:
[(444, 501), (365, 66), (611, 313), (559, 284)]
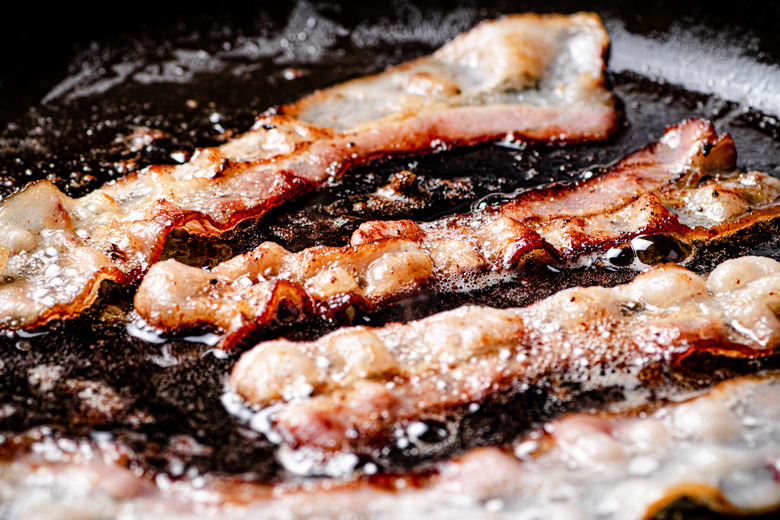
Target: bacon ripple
[(538, 78), (685, 186), (357, 389)]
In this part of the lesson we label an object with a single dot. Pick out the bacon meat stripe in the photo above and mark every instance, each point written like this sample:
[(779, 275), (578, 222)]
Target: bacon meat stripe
[(535, 77), (353, 390), (685, 185), (716, 449)]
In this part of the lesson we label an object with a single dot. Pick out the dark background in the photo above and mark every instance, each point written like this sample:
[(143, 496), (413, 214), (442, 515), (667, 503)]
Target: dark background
[(39, 41)]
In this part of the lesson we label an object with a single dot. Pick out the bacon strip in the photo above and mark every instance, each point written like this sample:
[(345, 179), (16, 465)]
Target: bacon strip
[(538, 78), (354, 389), (685, 186), (717, 449), (714, 450)]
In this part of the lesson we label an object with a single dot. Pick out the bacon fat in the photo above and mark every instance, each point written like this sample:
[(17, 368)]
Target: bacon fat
[(515, 76), (685, 186), (353, 390)]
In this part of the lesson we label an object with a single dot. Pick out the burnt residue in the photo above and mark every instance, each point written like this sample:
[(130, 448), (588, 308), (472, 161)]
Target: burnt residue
[(89, 375), (156, 91)]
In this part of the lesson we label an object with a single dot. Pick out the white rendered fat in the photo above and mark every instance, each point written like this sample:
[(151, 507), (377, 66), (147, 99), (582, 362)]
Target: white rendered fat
[(719, 448)]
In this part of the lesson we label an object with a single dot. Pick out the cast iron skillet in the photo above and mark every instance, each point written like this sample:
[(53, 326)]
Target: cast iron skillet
[(78, 88)]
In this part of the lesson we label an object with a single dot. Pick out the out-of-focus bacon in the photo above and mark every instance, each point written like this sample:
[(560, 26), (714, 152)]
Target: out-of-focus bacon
[(355, 389), (685, 186), (638, 463), (716, 449), (535, 77)]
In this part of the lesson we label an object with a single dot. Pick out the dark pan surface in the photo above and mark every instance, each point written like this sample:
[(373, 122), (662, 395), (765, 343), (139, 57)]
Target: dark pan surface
[(77, 89)]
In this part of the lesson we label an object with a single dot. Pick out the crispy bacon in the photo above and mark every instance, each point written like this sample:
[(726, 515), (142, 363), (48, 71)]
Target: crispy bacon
[(684, 186), (535, 77), (353, 390)]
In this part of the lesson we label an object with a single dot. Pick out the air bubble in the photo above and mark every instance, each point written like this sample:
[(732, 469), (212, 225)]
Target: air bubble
[(620, 256), (657, 249)]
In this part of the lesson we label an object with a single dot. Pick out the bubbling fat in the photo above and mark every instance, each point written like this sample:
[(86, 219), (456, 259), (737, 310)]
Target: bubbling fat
[(349, 391), (647, 205), (538, 78), (716, 449)]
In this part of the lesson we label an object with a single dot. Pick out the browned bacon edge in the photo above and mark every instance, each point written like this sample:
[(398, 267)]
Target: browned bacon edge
[(54, 250), (365, 390), (647, 194)]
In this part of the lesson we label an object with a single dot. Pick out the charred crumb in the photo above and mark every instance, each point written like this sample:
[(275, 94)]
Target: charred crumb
[(761, 239)]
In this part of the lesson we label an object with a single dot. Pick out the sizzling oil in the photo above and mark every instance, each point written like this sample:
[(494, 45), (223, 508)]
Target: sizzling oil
[(103, 375)]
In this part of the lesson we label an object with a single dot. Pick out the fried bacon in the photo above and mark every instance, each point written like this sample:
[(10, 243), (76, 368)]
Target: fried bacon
[(714, 449), (353, 390), (537, 78), (684, 186), (717, 449)]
